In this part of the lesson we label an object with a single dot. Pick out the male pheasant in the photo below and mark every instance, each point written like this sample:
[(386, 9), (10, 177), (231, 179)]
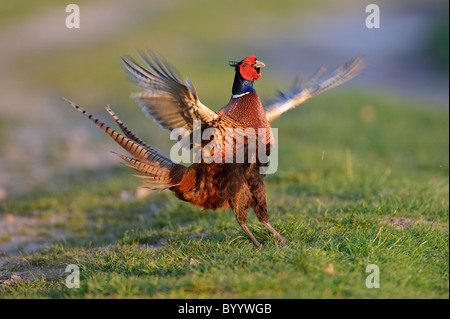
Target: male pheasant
[(213, 182)]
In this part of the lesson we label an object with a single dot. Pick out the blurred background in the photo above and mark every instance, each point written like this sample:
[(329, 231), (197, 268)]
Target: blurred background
[(42, 61)]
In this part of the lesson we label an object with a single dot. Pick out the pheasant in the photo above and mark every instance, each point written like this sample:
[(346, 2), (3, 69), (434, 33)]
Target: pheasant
[(174, 104)]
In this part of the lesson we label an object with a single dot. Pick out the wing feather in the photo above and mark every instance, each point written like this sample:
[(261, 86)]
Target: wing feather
[(169, 101), (302, 92)]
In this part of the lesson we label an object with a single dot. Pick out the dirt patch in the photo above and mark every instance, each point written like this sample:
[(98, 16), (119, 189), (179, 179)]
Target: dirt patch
[(15, 269), (27, 234), (7, 278), (401, 223)]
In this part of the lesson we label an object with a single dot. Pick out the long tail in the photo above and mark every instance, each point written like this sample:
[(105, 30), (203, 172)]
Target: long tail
[(160, 171)]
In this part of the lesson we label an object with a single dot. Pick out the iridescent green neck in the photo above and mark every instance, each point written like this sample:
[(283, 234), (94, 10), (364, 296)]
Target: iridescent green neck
[(241, 86)]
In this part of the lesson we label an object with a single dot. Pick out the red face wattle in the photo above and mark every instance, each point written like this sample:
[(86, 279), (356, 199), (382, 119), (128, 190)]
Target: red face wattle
[(250, 68)]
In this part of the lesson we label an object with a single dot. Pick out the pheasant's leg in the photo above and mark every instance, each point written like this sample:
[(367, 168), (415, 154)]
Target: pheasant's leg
[(245, 228), (260, 208), (239, 196), (280, 238), (263, 217), (241, 216)]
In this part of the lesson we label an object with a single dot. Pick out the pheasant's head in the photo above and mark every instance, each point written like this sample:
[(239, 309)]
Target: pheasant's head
[(249, 68)]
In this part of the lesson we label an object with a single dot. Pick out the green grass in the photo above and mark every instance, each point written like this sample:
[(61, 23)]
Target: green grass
[(362, 180)]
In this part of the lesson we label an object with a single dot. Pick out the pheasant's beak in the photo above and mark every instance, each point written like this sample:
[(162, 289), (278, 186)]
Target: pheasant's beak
[(258, 65)]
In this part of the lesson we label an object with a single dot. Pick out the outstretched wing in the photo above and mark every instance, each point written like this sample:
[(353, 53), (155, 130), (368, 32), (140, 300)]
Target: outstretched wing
[(168, 100), (300, 94)]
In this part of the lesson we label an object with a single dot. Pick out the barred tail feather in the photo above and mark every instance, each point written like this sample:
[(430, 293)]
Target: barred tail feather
[(155, 173), (160, 171), (128, 133)]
